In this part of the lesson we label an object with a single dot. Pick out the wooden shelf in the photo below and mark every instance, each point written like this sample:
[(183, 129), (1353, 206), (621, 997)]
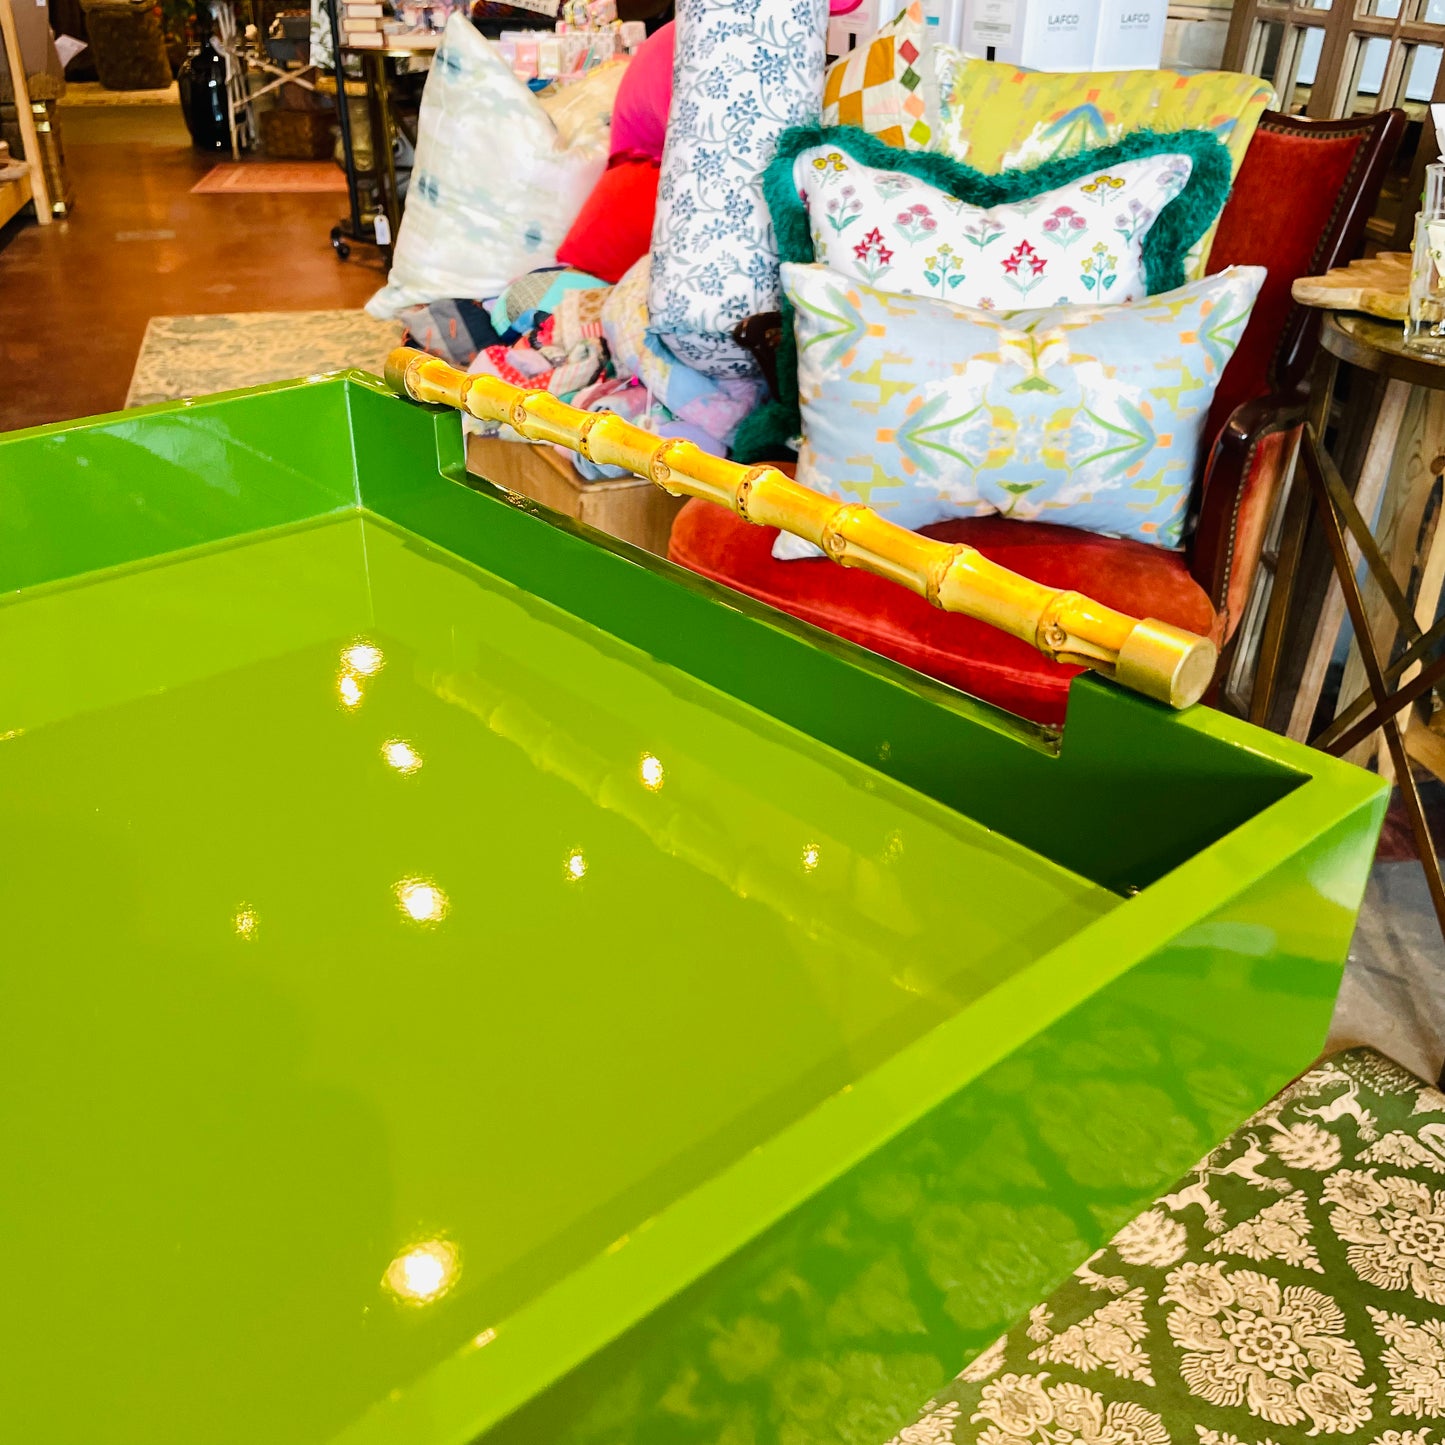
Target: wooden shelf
[(15, 194)]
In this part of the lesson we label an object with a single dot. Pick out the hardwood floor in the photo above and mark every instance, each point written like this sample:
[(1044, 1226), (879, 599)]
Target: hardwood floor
[(75, 296)]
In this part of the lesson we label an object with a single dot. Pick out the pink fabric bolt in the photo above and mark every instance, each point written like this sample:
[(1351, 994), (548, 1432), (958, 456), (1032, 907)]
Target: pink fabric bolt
[(639, 114)]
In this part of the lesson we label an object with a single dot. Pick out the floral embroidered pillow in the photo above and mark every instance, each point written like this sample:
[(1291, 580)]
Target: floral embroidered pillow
[(1112, 224), (1082, 241), (1090, 416)]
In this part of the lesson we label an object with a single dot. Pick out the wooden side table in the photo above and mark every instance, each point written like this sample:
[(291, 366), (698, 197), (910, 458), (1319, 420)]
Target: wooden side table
[(1398, 487), (1389, 522)]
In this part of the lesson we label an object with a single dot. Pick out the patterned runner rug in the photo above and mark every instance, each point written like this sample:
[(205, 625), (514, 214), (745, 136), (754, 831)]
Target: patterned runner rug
[(197, 355)]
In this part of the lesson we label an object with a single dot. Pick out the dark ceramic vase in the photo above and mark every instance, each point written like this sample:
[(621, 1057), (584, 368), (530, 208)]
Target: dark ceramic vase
[(202, 86)]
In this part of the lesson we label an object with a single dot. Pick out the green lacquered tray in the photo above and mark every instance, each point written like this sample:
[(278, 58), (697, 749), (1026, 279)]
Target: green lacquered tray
[(463, 978)]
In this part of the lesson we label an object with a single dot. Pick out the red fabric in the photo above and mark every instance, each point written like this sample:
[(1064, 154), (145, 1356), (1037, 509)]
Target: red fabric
[(887, 618), (1283, 197), (639, 114), (614, 227)]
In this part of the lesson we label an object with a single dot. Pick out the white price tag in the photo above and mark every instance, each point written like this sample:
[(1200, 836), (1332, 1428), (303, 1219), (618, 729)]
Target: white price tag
[(382, 227)]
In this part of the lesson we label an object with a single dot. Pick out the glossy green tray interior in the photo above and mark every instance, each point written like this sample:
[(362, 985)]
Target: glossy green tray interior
[(418, 897)]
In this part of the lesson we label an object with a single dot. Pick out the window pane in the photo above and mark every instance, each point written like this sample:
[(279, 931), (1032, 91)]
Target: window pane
[(1264, 48), (1295, 101), (1421, 70), (1385, 9), (1371, 81)]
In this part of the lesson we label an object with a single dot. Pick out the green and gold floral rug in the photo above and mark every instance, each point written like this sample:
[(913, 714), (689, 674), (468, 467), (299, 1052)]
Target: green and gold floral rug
[(1292, 1287)]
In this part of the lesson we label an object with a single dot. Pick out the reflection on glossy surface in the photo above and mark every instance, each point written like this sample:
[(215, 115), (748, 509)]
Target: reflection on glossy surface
[(364, 658), (515, 1000), (424, 1272), (245, 923), (651, 772), (400, 755), (348, 688), (811, 855), (421, 900)]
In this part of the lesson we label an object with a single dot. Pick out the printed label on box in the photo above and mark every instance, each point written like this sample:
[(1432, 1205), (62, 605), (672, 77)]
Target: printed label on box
[(990, 23)]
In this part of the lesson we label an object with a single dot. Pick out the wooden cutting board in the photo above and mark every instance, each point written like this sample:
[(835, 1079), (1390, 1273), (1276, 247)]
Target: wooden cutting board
[(1379, 286)]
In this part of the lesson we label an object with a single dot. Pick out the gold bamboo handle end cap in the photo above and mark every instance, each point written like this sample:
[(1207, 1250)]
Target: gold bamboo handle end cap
[(1166, 663), (396, 368)]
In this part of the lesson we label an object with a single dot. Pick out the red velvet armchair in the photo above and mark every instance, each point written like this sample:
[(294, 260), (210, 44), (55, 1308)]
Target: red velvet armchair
[(1298, 206)]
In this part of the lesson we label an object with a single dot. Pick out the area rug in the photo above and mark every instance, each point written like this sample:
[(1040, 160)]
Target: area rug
[(93, 93), (235, 178), (197, 355)]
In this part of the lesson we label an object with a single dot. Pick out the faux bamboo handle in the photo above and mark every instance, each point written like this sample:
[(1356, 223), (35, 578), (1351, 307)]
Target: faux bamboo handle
[(1161, 661)]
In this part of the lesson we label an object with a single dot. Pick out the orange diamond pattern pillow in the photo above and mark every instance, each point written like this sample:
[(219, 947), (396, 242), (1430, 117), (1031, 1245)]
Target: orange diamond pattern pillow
[(886, 86)]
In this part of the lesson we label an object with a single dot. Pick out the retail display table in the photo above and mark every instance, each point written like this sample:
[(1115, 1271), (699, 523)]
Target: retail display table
[(444, 948)]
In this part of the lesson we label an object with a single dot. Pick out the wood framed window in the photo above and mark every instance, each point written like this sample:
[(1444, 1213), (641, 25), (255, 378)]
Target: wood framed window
[(1329, 58)]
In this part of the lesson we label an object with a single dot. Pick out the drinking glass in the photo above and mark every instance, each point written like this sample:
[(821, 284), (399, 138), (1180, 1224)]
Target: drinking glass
[(1425, 324)]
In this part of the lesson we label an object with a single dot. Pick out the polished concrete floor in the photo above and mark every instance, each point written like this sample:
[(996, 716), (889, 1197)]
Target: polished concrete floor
[(75, 296)]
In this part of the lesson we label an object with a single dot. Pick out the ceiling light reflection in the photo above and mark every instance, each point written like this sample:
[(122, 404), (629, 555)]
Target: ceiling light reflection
[(810, 857), (651, 772), (245, 923), (364, 658), (399, 754), (424, 1272), (576, 865), (348, 689), (421, 900)]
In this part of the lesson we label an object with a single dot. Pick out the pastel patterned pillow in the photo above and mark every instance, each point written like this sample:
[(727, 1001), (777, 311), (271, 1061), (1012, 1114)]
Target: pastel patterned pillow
[(1082, 241), (964, 253), (1090, 416), (745, 71), (886, 86), (996, 116)]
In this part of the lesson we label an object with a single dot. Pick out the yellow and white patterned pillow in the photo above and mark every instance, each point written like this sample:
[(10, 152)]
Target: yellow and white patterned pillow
[(997, 117), (886, 86)]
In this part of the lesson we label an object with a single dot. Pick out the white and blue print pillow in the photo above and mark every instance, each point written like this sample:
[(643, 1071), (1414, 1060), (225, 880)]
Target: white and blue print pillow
[(1090, 416), (494, 188), (744, 72), (1082, 241)]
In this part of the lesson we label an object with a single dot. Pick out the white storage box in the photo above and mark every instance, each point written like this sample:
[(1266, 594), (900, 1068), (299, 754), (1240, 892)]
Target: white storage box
[(1131, 34), (1037, 34)]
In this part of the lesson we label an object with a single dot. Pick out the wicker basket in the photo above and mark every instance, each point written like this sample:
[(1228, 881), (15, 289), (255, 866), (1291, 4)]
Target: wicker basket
[(128, 44)]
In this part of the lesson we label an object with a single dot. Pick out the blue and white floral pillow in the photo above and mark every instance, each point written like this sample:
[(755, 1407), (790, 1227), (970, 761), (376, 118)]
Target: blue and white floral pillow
[(1082, 241), (1091, 416), (745, 70)]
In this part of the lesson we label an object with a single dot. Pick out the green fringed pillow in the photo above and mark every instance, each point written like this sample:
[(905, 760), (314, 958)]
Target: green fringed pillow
[(1108, 225)]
